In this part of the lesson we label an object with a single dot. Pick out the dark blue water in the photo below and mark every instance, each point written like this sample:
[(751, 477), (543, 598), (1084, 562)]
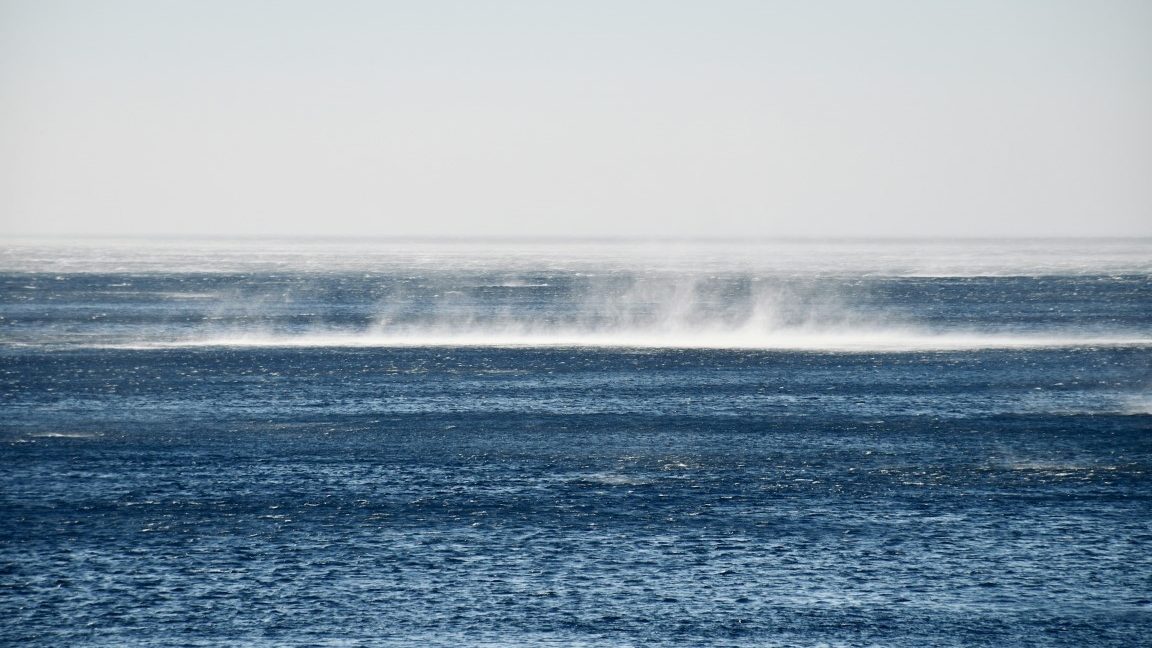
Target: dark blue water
[(164, 484)]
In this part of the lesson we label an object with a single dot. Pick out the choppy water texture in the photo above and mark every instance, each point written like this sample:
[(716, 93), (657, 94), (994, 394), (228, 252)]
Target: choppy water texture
[(417, 444)]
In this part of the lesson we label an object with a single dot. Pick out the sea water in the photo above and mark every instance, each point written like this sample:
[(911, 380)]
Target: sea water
[(445, 443)]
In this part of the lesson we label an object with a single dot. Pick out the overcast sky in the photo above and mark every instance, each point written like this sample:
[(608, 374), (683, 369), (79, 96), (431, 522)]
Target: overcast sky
[(661, 118)]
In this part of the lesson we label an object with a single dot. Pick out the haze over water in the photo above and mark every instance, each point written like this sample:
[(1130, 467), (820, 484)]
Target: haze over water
[(832, 295)]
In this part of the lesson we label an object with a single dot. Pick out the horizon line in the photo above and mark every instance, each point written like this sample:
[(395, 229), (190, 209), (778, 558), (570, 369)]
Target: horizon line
[(352, 238)]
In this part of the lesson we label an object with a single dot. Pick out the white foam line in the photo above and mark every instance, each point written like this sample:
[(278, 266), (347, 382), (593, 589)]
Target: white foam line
[(881, 342)]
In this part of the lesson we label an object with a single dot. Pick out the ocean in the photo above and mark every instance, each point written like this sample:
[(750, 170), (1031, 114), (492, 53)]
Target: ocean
[(587, 443)]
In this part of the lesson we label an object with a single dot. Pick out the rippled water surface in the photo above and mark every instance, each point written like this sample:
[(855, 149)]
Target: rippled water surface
[(414, 448)]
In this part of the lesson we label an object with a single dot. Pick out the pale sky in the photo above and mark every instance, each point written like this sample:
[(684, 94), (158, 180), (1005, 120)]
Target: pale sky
[(665, 118)]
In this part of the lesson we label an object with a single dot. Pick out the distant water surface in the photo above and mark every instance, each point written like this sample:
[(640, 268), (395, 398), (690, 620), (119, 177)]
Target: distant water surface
[(418, 443)]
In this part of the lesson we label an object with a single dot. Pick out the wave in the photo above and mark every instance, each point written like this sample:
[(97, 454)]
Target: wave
[(814, 341)]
